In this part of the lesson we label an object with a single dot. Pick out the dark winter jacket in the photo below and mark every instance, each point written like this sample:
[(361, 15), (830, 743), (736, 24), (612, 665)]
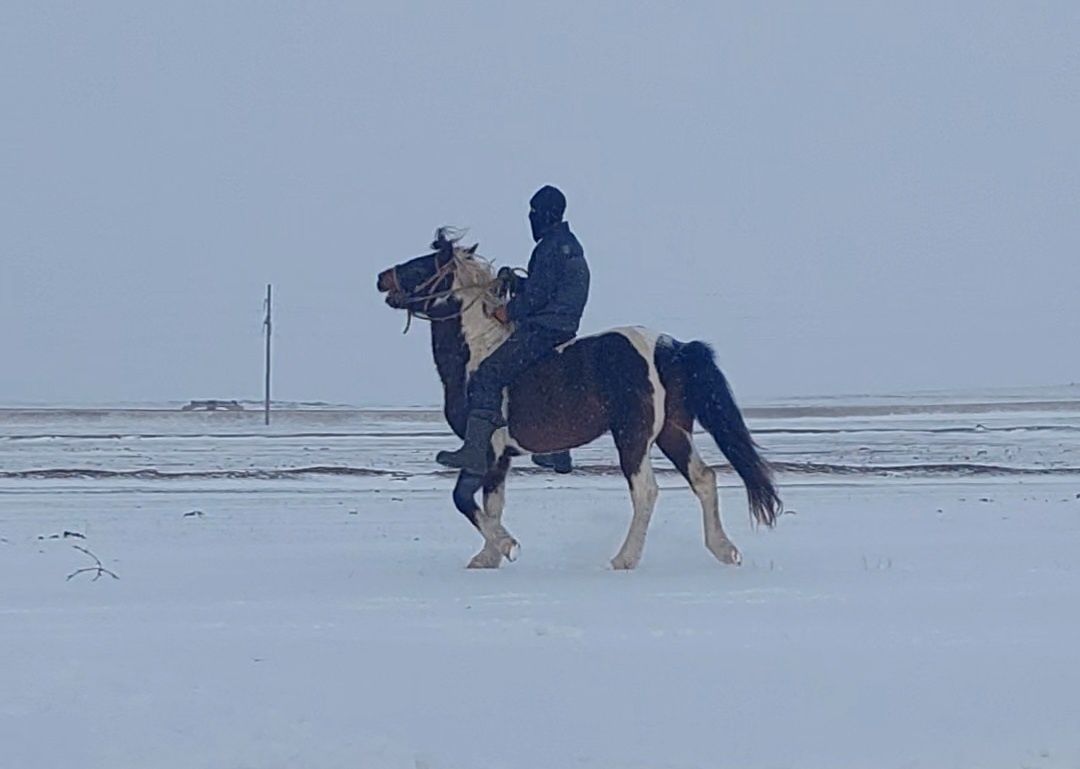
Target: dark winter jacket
[(554, 294)]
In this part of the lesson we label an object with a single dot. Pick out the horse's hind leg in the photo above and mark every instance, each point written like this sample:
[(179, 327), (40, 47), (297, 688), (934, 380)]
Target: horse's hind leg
[(498, 543), (678, 446), (638, 469)]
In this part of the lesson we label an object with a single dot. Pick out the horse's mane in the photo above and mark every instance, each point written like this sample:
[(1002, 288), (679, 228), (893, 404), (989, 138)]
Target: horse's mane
[(447, 237), (472, 269)]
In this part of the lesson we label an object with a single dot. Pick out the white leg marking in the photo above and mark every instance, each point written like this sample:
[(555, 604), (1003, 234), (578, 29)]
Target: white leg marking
[(495, 501), (703, 482), (643, 488), (498, 542), (643, 491)]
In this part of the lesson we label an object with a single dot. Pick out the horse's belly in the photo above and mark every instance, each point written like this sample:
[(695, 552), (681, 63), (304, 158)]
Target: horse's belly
[(571, 398), (543, 421), (556, 433)]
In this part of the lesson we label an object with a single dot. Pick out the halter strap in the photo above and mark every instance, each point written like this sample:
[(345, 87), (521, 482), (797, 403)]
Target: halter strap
[(483, 291)]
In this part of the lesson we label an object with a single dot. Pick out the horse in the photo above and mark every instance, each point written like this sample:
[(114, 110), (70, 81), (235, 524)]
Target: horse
[(643, 387)]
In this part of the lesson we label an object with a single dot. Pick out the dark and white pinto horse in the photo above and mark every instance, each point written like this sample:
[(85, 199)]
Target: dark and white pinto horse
[(642, 387)]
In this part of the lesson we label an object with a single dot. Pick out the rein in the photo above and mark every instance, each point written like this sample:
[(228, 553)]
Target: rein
[(490, 290)]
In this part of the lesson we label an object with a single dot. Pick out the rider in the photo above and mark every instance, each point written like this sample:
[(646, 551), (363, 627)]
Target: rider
[(546, 309)]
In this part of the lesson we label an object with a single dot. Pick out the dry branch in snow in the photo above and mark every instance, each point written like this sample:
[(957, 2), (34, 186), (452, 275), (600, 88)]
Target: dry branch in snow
[(97, 568)]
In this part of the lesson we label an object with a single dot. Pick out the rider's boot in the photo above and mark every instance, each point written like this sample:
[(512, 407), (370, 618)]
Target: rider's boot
[(474, 455), (560, 462)]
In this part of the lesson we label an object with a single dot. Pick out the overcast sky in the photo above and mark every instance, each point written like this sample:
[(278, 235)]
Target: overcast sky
[(841, 197)]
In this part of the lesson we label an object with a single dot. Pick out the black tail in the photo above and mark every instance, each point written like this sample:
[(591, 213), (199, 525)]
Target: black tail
[(709, 398)]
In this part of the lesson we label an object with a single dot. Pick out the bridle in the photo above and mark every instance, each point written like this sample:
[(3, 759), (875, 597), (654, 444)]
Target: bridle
[(415, 302), (412, 297)]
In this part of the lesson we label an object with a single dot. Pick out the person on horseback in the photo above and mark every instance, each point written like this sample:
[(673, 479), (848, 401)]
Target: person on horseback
[(546, 308)]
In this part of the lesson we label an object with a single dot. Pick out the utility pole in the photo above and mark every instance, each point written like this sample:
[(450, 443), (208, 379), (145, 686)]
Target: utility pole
[(268, 328)]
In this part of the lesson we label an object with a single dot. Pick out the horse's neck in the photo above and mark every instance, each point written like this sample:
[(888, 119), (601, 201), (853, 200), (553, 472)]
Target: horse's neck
[(482, 333), (459, 344)]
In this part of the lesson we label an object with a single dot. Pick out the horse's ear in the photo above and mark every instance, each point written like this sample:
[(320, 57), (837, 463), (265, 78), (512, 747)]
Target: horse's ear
[(440, 241), (471, 250)]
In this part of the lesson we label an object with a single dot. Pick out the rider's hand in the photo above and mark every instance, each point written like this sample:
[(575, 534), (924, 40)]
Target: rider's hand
[(501, 314), (508, 278)]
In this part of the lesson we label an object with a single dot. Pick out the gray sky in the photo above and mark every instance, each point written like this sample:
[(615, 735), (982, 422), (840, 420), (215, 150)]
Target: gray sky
[(844, 198)]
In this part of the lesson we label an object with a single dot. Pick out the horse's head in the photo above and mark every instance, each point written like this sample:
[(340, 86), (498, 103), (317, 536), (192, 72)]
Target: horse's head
[(425, 282)]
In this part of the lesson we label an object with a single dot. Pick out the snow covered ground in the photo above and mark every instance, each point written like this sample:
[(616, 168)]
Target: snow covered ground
[(921, 608)]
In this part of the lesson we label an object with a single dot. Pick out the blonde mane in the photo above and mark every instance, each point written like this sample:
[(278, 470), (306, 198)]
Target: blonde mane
[(474, 282), (472, 271)]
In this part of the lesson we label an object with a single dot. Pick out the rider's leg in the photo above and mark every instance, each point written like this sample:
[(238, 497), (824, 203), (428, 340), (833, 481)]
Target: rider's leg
[(525, 347)]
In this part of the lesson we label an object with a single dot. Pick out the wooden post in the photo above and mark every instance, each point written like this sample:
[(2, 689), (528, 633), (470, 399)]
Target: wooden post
[(267, 324)]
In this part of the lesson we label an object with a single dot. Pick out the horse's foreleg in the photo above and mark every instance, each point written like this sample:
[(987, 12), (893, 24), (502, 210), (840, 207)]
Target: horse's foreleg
[(498, 542), (465, 501)]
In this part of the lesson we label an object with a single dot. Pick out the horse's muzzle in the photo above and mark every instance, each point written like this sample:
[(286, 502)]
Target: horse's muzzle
[(386, 282)]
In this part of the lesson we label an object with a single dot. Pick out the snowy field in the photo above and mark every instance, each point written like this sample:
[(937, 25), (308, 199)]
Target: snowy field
[(296, 597)]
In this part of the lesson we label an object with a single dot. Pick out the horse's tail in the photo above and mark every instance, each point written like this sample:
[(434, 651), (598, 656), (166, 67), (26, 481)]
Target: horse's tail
[(709, 399)]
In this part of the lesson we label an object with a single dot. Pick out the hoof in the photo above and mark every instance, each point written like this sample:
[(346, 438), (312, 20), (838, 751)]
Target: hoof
[(510, 549), (624, 563), (488, 558), (726, 552)]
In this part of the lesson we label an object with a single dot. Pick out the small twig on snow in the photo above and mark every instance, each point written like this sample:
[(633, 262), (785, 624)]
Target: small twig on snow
[(97, 568)]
